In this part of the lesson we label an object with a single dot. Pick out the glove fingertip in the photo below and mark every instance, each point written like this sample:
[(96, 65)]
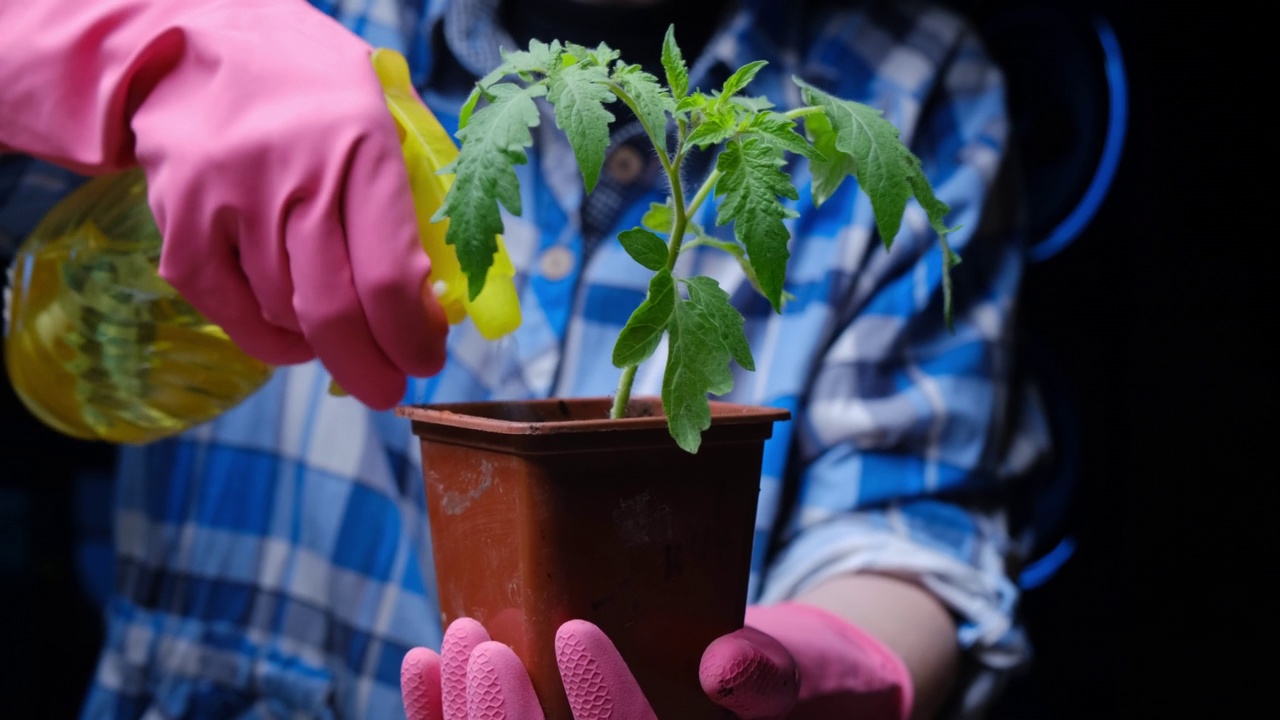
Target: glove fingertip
[(597, 681), (460, 639), (584, 653), (437, 328), (420, 684), (498, 685), (751, 674)]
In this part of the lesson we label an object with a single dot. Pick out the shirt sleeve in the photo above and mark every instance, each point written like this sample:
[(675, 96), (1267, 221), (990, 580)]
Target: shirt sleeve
[(907, 424)]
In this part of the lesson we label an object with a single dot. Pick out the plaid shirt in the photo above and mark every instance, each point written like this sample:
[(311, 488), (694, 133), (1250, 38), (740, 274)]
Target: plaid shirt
[(276, 562)]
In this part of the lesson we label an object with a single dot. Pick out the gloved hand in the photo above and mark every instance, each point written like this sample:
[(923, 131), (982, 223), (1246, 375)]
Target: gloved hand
[(844, 672), (838, 670), (273, 166)]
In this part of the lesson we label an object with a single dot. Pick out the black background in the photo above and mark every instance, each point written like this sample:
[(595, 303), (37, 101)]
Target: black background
[(1159, 317)]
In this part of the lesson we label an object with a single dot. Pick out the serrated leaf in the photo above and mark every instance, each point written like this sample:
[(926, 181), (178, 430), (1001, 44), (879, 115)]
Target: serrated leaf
[(540, 58), (705, 334), (751, 183), (934, 208), (752, 103), (492, 143), (829, 172), (644, 247), (673, 64), (601, 55), (937, 212), (604, 55), (659, 218), (578, 94), (858, 141), (693, 102), (741, 78), (652, 101), (640, 337), (879, 161), (776, 130), (707, 294), (715, 128)]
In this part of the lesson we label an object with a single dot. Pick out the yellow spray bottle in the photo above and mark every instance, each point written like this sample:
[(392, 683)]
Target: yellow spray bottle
[(428, 148), (99, 347)]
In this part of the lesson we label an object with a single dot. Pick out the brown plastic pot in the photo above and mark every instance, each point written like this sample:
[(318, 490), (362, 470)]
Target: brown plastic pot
[(546, 511)]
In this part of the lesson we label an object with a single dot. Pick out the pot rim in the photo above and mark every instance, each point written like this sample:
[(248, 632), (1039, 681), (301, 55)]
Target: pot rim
[(487, 416)]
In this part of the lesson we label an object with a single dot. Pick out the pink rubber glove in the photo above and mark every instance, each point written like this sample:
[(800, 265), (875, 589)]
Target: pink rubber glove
[(840, 670), (843, 671), (273, 166), (475, 678)]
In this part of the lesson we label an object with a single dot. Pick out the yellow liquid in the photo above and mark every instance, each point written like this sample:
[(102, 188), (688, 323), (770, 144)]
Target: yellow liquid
[(97, 345)]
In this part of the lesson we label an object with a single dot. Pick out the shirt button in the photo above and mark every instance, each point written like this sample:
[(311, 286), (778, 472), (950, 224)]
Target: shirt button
[(625, 164), (556, 263)]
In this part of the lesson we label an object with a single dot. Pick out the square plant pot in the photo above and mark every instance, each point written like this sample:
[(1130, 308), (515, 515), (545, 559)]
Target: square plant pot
[(546, 511)]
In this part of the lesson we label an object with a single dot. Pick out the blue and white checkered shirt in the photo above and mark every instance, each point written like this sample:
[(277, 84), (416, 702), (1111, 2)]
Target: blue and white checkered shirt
[(276, 562)]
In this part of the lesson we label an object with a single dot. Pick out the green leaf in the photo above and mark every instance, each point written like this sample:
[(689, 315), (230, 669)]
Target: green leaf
[(715, 128), (706, 293), (643, 332), (741, 78), (752, 104), (933, 207), (693, 102), (468, 107), (835, 167), (578, 94), (644, 247), (673, 65), (659, 218), (937, 212), (540, 58), (776, 130), (751, 183), (601, 55), (879, 157), (651, 100), (706, 332), (858, 141), (493, 142)]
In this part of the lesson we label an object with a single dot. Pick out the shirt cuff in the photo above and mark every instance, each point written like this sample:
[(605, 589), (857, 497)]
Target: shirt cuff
[(956, 553)]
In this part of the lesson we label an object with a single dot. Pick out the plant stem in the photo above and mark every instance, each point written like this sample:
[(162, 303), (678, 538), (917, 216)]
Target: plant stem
[(672, 167), (704, 191), (623, 396), (802, 111), (651, 132)]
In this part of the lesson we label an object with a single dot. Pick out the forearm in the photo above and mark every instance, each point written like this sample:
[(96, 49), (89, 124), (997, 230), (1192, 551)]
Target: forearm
[(908, 619)]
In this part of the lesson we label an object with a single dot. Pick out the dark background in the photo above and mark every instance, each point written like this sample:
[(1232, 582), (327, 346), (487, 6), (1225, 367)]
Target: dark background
[(1155, 318)]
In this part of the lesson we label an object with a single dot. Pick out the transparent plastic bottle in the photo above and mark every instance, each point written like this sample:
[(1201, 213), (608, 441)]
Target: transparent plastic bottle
[(98, 346)]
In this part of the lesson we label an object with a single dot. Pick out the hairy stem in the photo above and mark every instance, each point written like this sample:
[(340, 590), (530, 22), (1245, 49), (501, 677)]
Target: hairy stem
[(672, 167), (802, 111), (623, 396), (707, 186)]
